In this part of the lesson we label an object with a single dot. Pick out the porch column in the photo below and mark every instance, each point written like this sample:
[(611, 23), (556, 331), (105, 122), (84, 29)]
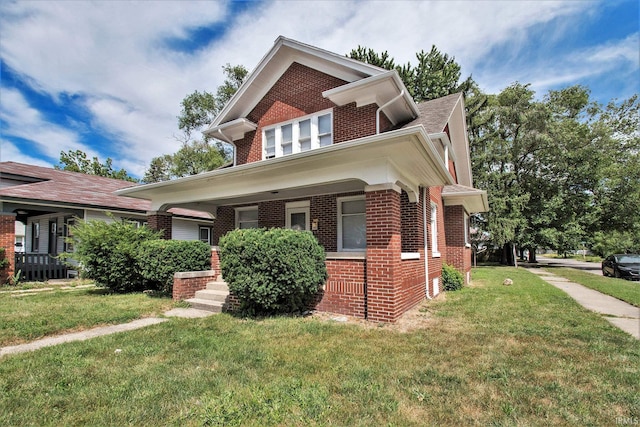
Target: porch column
[(161, 221), (384, 252), (8, 242)]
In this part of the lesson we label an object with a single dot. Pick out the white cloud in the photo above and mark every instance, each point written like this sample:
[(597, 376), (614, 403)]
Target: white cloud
[(10, 153), (25, 122), (113, 55)]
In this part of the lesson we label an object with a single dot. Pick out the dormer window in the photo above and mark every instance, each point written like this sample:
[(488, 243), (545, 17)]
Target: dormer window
[(295, 136)]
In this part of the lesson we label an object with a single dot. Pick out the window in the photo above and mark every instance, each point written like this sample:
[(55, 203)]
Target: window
[(352, 225), (467, 241), (434, 230), (297, 215), (35, 237), (68, 232), (204, 235), (302, 134), (247, 217)]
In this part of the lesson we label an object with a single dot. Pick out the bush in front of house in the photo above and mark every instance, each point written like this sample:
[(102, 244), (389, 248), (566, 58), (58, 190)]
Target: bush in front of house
[(159, 260), (108, 252), (272, 270), (452, 279)]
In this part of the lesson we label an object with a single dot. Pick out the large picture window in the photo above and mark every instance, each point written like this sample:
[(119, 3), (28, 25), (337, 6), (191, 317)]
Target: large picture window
[(352, 225), (295, 136), (247, 217)]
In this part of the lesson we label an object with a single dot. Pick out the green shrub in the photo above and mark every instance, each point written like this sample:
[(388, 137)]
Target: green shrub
[(452, 279), (108, 252), (159, 260), (272, 271)]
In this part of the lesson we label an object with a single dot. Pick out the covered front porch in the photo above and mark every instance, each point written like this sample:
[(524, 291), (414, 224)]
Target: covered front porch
[(384, 178)]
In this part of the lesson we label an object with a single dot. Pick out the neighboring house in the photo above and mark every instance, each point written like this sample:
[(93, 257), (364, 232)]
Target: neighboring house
[(20, 233), (45, 202), (338, 147)]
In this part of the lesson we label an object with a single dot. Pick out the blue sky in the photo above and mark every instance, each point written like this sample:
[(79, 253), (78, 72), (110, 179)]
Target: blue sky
[(107, 78)]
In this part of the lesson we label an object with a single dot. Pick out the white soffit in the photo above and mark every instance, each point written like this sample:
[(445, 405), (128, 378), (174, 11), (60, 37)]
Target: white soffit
[(378, 89), (472, 199), (233, 130)]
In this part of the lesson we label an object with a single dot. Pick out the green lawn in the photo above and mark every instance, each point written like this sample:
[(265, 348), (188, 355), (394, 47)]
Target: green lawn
[(30, 316), (490, 354), (624, 290)]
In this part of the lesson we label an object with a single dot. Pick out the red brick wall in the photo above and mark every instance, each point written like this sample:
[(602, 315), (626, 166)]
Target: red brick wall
[(8, 241), (186, 284), (271, 214), (298, 93), (412, 224), (384, 249), (215, 260), (161, 221), (344, 291), (458, 254), (413, 288)]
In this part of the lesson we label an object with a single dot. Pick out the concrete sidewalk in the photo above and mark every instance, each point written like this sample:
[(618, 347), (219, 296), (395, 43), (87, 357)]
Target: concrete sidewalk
[(621, 314), (104, 330)]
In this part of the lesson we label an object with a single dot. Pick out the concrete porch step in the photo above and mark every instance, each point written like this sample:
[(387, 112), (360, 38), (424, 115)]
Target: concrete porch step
[(212, 294), (218, 285), (206, 304)]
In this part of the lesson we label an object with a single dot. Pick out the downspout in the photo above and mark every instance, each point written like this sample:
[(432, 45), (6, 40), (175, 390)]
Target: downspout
[(226, 139), (391, 101), (424, 235)]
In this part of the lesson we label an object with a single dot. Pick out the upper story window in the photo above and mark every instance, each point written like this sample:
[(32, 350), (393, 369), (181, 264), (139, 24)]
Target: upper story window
[(302, 134)]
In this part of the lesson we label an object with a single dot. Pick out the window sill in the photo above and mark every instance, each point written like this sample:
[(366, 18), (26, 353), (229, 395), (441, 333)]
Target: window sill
[(346, 255), (410, 255), (436, 255)]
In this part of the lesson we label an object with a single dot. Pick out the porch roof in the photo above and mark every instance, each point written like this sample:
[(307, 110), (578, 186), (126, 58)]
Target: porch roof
[(405, 157), (472, 199)]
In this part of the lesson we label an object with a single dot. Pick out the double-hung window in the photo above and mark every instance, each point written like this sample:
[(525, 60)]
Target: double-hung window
[(295, 136), (247, 217), (352, 224), (434, 230)]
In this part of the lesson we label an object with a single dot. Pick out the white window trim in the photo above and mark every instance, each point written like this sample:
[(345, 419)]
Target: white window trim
[(467, 240), (434, 231), (339, 201), (242, 209), (297, 207), (295, 146), (204, 227)]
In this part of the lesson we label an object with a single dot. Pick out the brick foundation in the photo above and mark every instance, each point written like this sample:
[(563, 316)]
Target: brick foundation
[(8, 241), (344, 291)]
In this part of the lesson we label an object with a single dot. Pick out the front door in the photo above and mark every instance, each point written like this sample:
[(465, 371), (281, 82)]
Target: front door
[(53, 238), (297, 216)]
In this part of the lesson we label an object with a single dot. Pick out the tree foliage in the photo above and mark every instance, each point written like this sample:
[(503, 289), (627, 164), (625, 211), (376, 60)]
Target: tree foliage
[(435, 75), (77, 161), (198, 110)]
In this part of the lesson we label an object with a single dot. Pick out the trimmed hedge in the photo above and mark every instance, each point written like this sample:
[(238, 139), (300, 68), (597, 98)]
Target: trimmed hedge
[(159, 260), (272, 270), (452, 279), (126, 258)]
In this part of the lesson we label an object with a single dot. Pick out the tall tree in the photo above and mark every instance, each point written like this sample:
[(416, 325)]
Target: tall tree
[(435, 75), (198, 110), (77, 161)]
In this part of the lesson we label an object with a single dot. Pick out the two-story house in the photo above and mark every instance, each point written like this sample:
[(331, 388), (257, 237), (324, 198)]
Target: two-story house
[(339, 148)]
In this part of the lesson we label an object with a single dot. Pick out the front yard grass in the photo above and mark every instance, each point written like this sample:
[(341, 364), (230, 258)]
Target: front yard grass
[(524, 354), (624, 290), (29, 316)]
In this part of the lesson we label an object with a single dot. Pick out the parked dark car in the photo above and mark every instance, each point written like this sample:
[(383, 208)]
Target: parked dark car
[(624, 266)]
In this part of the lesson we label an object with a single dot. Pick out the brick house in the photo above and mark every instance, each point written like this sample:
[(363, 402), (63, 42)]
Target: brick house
[(45, 201), (337, 147)]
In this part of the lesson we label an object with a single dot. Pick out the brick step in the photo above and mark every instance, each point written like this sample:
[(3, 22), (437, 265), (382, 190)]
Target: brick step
[(206, 304), (218, 285), (213, 295)]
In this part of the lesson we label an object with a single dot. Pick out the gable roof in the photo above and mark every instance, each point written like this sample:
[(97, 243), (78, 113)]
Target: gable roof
[(63, 188), (362, 81)]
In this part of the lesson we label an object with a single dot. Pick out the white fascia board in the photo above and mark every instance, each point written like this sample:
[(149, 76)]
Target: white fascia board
[(473, 200), (233, 130), (443, 136), (406, 156), (366, 91)]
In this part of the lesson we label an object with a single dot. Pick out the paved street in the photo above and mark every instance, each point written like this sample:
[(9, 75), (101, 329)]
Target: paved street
[(591, 267)]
